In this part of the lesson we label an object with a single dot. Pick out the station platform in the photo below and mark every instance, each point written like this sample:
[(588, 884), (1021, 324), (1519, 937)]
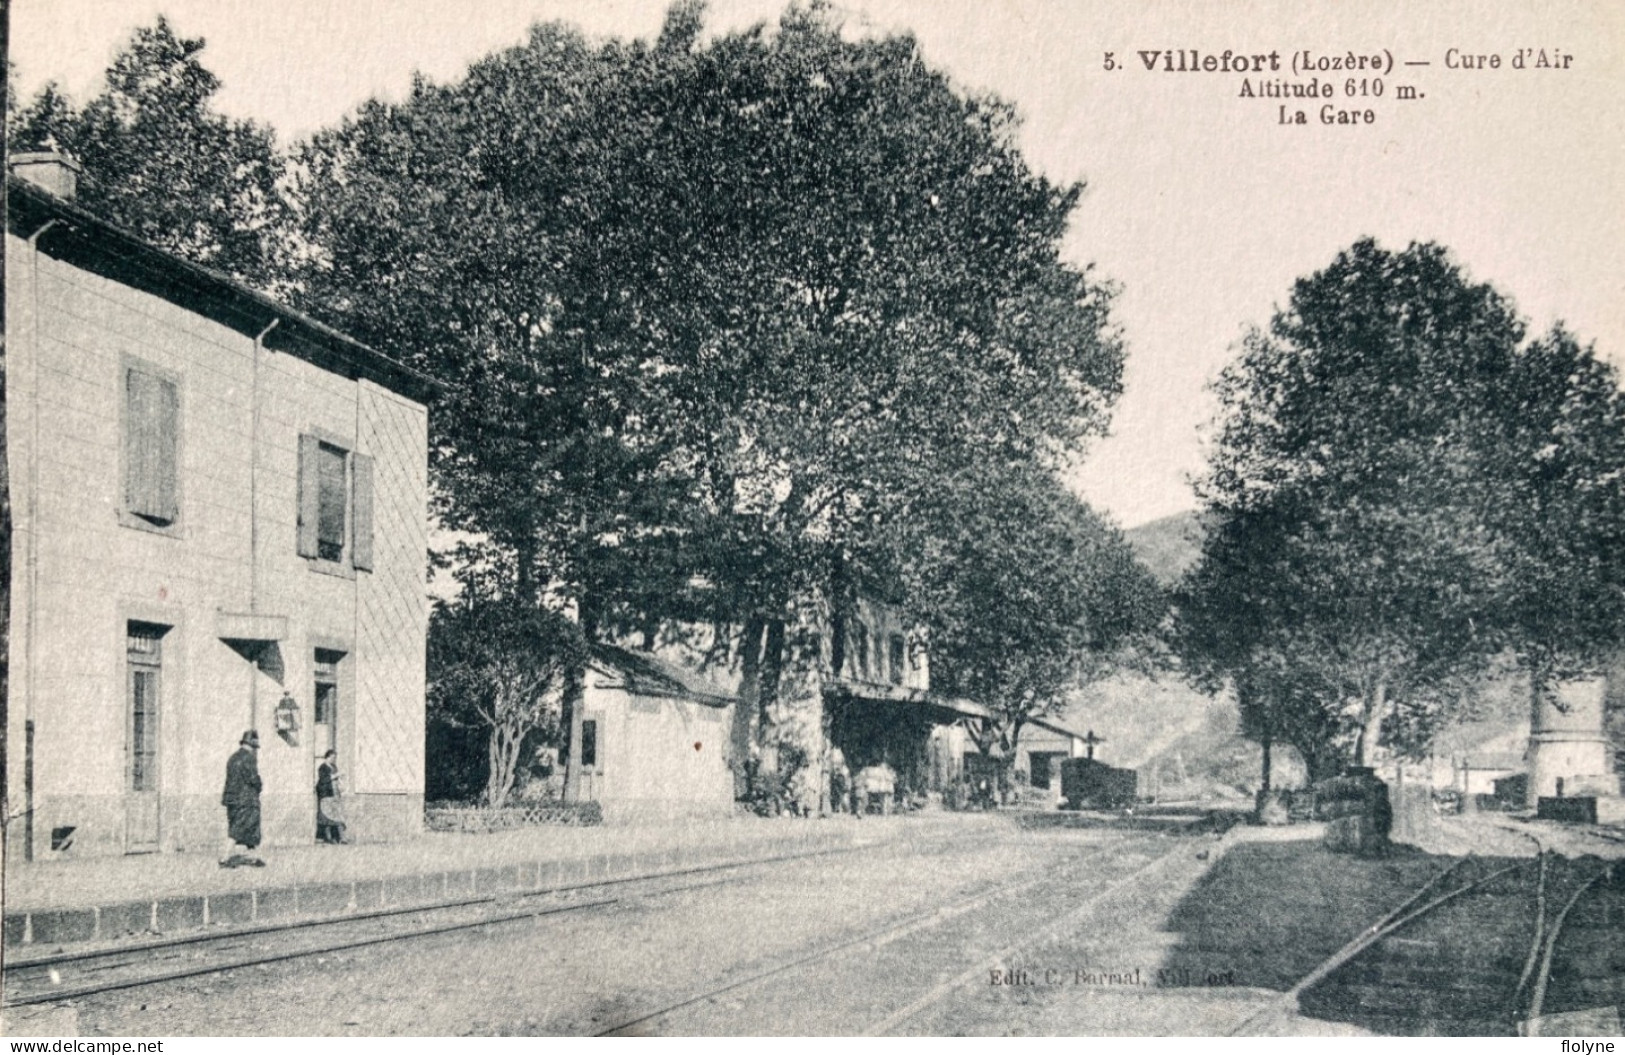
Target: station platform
[(99, 900)]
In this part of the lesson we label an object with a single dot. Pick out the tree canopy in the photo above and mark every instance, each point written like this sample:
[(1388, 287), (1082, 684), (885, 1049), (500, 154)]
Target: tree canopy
[(1023, 591), (160, 161), (1397, 496), (748, 293)]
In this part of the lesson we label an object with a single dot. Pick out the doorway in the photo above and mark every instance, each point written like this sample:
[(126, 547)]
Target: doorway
[(143, 697), (325, 704)]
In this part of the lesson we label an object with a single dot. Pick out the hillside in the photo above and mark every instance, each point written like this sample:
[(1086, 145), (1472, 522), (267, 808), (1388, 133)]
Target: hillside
[(1168, 546), (1183, 742)]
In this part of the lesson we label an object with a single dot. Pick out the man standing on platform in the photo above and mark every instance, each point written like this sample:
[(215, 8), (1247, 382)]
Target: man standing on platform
[(242, 802)]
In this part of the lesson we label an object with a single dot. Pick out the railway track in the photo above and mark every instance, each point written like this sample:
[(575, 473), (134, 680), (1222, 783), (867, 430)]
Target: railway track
[(89, 972), (936, 944), (1471, 953), (82, 973)]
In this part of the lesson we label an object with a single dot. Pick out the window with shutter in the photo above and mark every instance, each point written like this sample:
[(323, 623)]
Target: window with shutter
[(151, 447), (331, 498), (335, 504)]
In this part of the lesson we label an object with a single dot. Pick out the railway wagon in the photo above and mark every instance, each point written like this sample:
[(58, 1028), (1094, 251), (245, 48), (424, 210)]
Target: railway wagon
[(1090, 784)]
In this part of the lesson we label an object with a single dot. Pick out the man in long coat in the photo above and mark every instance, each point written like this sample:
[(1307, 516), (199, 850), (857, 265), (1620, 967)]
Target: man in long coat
[(242, 801)]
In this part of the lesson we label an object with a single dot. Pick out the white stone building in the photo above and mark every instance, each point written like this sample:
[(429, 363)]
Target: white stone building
[(220, 516)]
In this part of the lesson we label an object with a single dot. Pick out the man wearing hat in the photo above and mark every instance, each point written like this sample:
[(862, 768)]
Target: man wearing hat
[(242, 801)]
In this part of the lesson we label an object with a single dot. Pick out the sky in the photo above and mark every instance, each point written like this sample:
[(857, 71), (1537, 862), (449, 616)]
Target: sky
[(1201, 206)]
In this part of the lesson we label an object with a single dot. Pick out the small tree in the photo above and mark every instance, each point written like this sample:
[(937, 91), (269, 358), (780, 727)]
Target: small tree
[(500, 664), (1024, 591)]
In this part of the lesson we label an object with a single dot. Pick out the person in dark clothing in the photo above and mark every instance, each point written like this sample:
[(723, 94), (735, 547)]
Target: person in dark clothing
[(329, 813), (242, 801)]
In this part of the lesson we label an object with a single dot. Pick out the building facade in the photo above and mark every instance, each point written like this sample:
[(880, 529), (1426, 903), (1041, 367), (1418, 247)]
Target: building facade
[(654, 739), (220, 518)]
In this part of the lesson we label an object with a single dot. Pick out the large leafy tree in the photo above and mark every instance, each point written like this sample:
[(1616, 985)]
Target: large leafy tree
[(1558, 465), (864, 286), (1237, 625), (161, 161), (1402, 491), (716, 312)]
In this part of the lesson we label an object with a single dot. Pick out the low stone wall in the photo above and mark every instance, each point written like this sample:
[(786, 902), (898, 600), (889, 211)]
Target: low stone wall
[(1357, 812), (479, 819)]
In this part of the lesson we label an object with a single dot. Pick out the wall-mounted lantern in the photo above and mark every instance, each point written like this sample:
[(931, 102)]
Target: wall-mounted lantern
[(287, 719)]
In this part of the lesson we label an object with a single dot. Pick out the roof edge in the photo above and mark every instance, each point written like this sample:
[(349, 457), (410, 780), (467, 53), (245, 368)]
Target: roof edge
[(79, 237)]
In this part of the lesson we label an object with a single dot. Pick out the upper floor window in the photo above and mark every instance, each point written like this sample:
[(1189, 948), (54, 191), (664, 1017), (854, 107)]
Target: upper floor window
[(896, 647), (332, 500), (151, 447), (335, 504)]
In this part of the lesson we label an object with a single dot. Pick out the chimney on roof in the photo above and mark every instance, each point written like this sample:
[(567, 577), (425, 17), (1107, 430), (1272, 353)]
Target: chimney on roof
[(53, 171)]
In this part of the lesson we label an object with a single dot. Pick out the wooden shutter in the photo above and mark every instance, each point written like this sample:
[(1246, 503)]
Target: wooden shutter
[(309, 495), (361, 519), (167, 427), (152, 441)]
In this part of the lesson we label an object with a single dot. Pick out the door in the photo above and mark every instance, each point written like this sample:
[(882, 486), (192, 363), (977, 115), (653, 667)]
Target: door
[(1039, 762), (143, 693), (592, 757), (324, 719)]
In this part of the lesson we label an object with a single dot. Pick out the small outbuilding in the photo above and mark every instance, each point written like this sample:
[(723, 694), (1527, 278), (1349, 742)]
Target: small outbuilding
[(654, 739)]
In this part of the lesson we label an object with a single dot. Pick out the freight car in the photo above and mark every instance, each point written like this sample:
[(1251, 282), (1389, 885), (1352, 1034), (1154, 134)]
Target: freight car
[(1087, 783)]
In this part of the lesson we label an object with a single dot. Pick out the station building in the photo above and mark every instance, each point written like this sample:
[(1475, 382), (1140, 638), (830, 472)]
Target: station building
[(219, 514)]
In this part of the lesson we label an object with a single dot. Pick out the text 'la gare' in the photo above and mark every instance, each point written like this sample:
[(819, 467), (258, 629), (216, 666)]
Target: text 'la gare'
[(1329, 115)]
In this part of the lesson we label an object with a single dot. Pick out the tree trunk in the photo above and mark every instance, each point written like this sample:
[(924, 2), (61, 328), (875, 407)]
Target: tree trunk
[(1538, 682), (574, 698), (743, 734), (502, 754), (767, 695), (837, 643), (1264, 777), (1376, 709), (1008, 765)]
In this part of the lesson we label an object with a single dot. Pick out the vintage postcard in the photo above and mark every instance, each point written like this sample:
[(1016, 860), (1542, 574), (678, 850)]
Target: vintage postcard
[(813, 518)]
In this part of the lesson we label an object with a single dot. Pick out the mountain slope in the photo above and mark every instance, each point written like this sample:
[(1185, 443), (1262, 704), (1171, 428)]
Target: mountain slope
[(1168, 546)]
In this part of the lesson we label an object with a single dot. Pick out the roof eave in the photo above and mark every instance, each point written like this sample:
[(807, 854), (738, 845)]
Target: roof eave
[(78, 237)]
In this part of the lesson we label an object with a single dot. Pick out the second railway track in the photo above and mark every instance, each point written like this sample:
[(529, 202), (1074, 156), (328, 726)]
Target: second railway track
[(1474, 952)]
